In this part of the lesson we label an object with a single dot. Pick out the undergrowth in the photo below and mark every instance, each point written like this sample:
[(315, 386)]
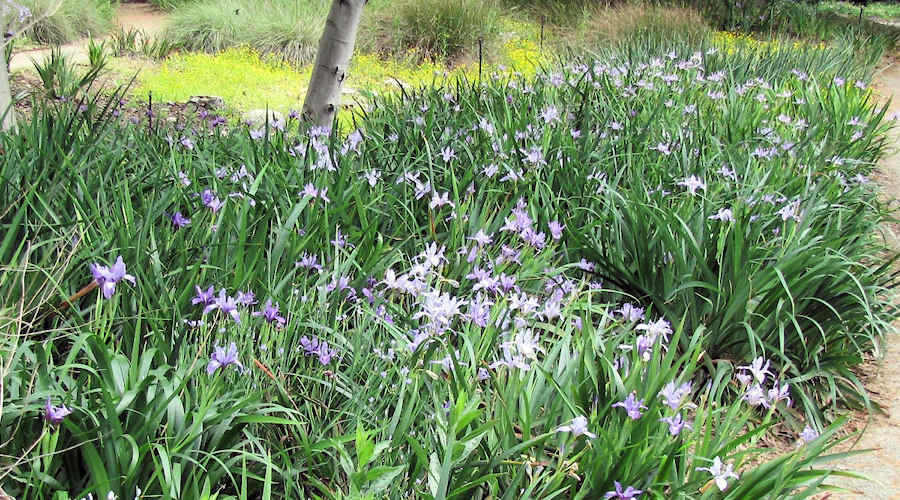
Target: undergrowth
[(70, 19), (288, 30)]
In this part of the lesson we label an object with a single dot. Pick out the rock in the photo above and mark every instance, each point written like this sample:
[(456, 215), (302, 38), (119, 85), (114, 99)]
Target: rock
[(257, 117), (208, 102)]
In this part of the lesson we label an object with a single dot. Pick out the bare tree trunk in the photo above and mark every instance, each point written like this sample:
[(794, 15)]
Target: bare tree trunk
[(9, 118), (335, 50)]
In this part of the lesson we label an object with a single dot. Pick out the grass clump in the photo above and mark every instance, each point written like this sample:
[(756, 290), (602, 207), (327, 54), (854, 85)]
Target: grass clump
[(797, 19), (290, 30), (436, 29), (889, 11), (612, 24), (171, 4), (555, 12), (68, 20)]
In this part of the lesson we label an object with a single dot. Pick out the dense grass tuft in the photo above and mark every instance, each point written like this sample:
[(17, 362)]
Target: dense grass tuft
[(287, 29), (171, 4), (436, 29), (73, 19)]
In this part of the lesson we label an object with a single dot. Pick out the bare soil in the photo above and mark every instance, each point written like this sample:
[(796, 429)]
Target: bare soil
[(881, 434), (139, 16)]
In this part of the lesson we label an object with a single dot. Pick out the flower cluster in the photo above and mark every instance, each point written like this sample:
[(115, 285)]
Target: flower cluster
[(313, 346), (754, 376)]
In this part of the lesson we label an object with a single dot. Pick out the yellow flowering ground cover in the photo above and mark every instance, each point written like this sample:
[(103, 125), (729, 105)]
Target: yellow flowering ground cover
[(734, 42), (247, 80)]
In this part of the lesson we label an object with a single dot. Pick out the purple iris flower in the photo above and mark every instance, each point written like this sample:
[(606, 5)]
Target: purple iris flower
[(808, 434), (221, 358), (556, 230), (204, 297), (319, 348), (632, 406), (211, 201), (676, 424), (310, 345), (630, 312), (325, 354), (270, 314), (310, 190), (179, 220), (55, 414), (107, 277), (673, 395), (578, 427), (309, 262), (627, 493), (226, 304), (245, 298)]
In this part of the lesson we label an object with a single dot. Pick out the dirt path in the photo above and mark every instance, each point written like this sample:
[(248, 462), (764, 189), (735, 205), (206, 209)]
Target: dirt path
[(140, 16), (882, 465)]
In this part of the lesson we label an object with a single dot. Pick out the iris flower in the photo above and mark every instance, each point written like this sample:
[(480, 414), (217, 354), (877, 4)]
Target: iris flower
[(632, 406), (221, 358), (55, 414), (108, 277)]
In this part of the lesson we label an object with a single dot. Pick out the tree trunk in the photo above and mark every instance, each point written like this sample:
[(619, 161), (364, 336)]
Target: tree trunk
[(323, 98), (9, 118)]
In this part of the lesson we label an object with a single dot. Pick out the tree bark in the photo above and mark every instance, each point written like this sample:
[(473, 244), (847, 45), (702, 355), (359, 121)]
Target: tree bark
[(323, 98), (6, 107)]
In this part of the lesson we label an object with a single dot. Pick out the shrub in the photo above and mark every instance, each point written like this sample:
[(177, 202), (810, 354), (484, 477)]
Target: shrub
[(289, 30), (604, 25), (437, 29), (803, 19), (72, 20), (171, 4), (60, 76)]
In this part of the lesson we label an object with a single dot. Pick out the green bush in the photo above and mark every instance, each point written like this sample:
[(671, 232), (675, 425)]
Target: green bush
[(557, 12), (62, 79), (73, 19), (437, 29), (171, 4), (802, 19), (289, 30)]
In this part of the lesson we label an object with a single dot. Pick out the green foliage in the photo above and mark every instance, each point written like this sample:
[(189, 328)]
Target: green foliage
[(288, 29), (171, 4), (882, 10), (97, 54), (61, 78), (436, 29), (556, 12), (134, 42), (124, 42), (802, 19), (485, 403), (73, 19)]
